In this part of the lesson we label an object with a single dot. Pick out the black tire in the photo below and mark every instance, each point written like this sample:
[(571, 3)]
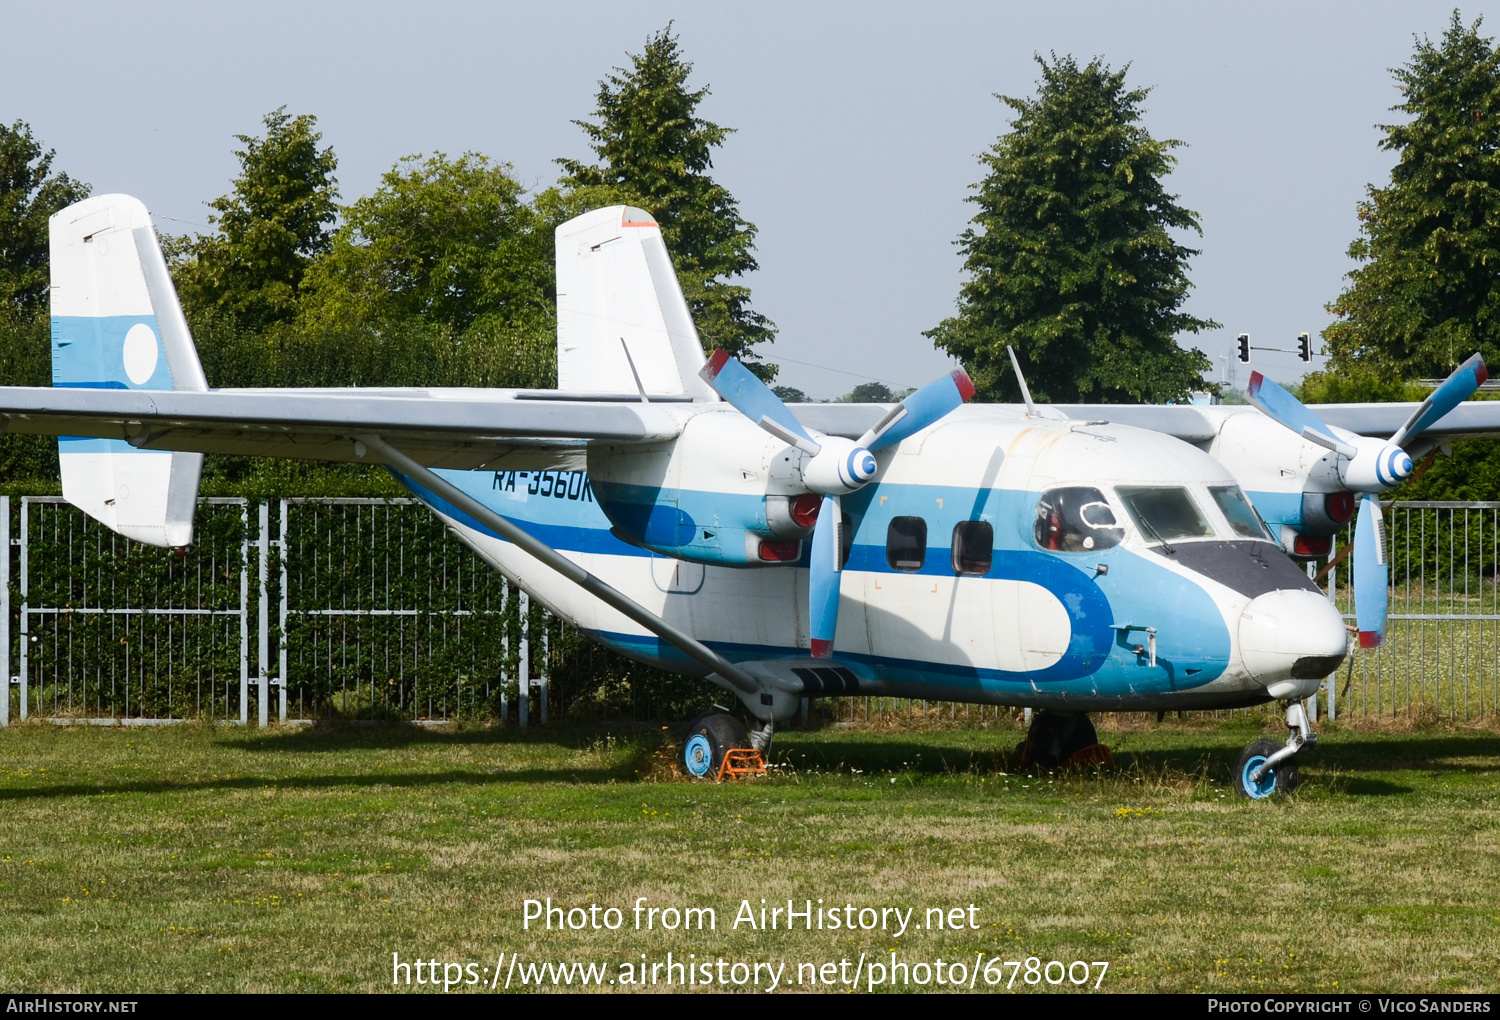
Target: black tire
[(706, 739), (1281, 780), (1058, 737)]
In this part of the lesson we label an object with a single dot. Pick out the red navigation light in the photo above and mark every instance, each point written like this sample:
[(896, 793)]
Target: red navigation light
[(1339, 506), (805, 509), (780, 552), (1306, 545)]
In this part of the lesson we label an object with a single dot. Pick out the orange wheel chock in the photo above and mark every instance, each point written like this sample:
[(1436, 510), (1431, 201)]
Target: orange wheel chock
[(741, 762)]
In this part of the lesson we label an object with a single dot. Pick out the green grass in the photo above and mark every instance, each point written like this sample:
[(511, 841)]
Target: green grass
[(195, 858)]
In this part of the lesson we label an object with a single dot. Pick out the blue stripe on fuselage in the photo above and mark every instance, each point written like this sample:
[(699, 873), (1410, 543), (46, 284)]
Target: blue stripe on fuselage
[(1193, 642)]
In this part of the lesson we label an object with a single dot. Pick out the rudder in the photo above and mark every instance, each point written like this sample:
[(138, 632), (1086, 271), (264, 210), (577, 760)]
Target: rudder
[(617, 292), (117, 324)]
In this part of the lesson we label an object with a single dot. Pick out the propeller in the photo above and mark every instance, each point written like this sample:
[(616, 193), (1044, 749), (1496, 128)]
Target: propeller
[(832, 466), (1369, 466)]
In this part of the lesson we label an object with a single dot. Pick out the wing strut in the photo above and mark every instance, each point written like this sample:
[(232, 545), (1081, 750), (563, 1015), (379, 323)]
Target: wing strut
[(596, 587)]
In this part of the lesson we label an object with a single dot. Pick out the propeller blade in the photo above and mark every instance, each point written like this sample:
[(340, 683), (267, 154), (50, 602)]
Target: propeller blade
[(754, 399), (823, 578), (1279, 405), (920, 410), (1371, 573), (1457, 388)]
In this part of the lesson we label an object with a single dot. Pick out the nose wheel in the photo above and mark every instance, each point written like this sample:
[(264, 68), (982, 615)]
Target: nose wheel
[(1266, 768)]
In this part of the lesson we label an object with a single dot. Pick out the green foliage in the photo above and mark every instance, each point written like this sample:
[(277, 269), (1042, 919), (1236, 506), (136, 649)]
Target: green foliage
[(790, 394), (447, 241), (28, 464), (869, 393), (29, 194), (272, 226), (656, 152), (1070, 258), (1424, 297), (1470, 473)]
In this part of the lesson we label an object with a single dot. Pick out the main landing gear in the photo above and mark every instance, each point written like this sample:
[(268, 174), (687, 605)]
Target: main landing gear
[(1267, 768), (713, 735), (1060, 738)]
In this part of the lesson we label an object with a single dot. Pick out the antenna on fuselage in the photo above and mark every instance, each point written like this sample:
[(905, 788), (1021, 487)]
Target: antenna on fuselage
[(1021, 378)]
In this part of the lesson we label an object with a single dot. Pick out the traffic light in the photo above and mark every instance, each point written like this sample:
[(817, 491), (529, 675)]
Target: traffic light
[(1244, 354), (1304, 346)]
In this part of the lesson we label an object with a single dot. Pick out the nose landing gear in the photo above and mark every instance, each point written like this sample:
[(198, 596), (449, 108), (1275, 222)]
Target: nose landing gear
[(1266, 768)]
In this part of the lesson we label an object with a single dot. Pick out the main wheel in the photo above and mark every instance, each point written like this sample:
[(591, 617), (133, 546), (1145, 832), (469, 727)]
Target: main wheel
[(1055, 737), (705, 741), (1281, 779)]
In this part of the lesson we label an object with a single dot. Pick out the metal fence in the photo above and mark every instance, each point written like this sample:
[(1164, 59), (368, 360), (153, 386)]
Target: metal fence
[(363, 608), (1441, 655), (292, 609)]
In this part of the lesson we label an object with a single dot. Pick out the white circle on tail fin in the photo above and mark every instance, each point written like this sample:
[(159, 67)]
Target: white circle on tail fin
[(141, 353)]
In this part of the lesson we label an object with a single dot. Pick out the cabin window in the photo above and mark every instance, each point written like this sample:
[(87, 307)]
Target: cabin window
[(1076, 519), (1164, 513), (973, 547), (1237, 509), (906, 543)]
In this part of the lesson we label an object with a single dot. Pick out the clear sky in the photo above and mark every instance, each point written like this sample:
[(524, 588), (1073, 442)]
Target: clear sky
[(857, 128)]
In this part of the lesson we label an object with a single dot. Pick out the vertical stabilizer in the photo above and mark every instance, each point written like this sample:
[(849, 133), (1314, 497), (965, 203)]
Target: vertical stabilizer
[(615, 283), (117, 324)]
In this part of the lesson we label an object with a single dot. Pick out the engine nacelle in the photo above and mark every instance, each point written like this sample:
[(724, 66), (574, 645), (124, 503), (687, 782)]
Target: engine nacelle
[(724, 493), (1292, 482)]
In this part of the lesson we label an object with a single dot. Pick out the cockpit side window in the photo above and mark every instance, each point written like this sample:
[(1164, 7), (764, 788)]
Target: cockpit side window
[(1164, 512), (1237, 509), (1075, 519)]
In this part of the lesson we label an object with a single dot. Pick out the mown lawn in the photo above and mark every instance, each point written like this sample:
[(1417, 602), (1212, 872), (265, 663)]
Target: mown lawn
[(196, 858)]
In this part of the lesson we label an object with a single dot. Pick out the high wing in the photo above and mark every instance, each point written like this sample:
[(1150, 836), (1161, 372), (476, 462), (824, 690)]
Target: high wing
[(1196, 424), (444, 428)]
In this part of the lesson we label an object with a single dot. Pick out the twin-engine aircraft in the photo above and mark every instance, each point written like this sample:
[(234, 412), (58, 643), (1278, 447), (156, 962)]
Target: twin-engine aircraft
[(1071, 559)]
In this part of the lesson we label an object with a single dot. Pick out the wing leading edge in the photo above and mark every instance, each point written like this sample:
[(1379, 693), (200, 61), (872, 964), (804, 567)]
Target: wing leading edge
[(461, 429)]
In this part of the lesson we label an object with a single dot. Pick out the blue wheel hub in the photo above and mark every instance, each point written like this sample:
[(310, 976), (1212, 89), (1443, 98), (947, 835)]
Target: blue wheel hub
[(697, 755), (1265, 786)]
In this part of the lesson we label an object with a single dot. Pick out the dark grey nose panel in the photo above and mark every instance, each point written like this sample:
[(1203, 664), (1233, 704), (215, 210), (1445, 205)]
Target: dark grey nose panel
[(1250, 568)]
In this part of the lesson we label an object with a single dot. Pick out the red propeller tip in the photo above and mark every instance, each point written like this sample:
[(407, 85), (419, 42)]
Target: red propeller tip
[(1255, 380), (716, 363), (1481, 373), (964, 383), (1369, 639), (822, 649)]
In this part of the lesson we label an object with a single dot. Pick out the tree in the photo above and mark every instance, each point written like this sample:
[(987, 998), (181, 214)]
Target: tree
[(29, 194), (655, 150), (869, 393), (270, 228), (446, 240), (1070, 259), (1425, 296)]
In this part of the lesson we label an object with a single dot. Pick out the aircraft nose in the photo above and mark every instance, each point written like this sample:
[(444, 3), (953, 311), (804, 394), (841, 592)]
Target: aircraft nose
[(1291, 640)]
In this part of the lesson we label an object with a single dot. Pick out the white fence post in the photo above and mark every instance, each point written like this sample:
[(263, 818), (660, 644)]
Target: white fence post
[(25, 591), (245, 613), (281, 619), (544, 670), (4, 610), (262, 613), (523, 681)]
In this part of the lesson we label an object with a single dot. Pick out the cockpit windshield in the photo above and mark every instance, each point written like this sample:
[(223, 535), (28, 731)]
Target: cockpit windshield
[(1237, 509), (1075, 519), (1164, 513)]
